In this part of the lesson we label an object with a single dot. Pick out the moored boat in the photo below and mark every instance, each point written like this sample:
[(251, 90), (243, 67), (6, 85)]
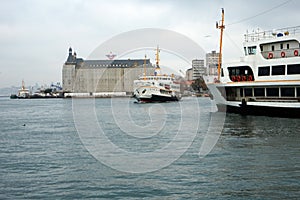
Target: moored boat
[(266, 80), (23, 93)]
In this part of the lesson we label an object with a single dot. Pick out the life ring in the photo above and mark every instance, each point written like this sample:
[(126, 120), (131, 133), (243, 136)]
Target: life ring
[(296, 53), (282, 54), (270, 56), (250, 78), (238, 78), (233, 78), (244, 78)]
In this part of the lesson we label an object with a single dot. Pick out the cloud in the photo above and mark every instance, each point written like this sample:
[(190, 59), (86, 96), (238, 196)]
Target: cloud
[(35, 35)]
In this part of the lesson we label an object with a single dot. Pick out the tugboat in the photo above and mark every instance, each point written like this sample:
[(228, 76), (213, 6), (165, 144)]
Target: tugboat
[(266, 81), (23, 93), (156, 88)]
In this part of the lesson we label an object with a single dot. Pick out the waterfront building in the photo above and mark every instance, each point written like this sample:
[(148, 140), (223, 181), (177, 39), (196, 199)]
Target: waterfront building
[(189, 74), (198, 68), (212, 60), (100, 76)]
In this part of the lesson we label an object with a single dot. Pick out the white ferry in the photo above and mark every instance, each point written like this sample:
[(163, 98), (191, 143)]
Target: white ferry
[(266, 80), (156, 88)]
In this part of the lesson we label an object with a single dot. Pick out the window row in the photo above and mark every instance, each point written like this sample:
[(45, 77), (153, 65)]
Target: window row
[(110, 65), (279, 70), (270, 92)]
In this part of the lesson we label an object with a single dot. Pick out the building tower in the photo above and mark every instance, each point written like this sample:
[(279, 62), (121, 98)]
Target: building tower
[(68, 72), (212, 62)]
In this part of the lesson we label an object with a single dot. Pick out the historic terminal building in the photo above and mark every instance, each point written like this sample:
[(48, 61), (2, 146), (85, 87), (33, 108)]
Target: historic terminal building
[(102, 76)]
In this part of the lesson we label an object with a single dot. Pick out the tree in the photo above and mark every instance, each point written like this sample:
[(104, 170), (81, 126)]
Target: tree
[(198, 84)]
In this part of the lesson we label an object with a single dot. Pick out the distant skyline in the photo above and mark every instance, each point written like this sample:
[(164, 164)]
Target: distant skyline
[(35, 35)]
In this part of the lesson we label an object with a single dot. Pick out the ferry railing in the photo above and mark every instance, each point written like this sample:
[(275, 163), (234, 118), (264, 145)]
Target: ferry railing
[(261, 35), (283, 53)]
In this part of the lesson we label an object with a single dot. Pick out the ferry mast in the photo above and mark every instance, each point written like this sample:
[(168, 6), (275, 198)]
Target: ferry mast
[(157, 56), (222, 27)]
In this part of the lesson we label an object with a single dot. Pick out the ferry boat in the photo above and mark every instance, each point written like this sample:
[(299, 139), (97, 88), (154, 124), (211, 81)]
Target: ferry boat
[(266, 80), (156, 88)]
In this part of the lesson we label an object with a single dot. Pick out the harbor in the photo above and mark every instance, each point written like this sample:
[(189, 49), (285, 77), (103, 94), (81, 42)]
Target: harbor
[(150, 100)]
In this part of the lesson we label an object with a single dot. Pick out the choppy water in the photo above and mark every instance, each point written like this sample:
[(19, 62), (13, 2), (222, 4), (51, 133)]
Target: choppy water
[(42, 155)]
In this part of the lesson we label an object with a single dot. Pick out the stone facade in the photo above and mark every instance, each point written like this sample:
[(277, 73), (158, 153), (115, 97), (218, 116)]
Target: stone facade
[(92, 76)]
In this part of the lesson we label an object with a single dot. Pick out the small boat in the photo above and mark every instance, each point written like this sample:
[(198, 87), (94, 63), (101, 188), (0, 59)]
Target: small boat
[(156, 88), (266, 81), (23, 93)]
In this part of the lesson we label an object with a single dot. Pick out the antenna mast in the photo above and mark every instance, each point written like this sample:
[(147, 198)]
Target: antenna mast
[(145, 67), (222, 27), (157, 56)]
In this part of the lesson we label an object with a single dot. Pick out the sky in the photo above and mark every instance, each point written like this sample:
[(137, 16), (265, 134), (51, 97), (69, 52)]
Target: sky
[(35, 35)]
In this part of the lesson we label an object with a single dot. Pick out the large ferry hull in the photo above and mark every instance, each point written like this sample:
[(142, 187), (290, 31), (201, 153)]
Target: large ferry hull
[(274, 108), (262, 111)]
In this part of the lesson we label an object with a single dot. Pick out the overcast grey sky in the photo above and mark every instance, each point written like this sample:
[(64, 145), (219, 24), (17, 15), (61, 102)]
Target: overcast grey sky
[(35, 34)]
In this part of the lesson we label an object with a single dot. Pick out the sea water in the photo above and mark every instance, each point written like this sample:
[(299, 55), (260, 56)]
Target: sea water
[(117, 149)]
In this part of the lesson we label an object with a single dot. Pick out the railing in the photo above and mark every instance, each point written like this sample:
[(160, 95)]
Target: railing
[(260, 35), (283, 53)]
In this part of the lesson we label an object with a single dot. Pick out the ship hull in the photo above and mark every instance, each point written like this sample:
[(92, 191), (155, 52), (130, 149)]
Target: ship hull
[(157, 98), (276, 107), (261, 111)]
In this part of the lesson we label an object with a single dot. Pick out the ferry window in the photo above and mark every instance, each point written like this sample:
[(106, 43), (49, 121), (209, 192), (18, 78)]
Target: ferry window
[(261, 48), (293, 69), (245, 50), (241, 92), (287, 46), (298, 92), (248, 92), (252, 50), (272, 92), (278, 70), (264, 71), (259, 92), (288, 92), (273, 48), (281, 46)]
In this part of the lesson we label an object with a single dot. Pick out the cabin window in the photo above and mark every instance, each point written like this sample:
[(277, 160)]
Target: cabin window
[(273, 48), (272, 92), (264, 71), (259, 92), (248, 92), (278, 70), (240, 71), (281, 46), (287, 46), (287, 92), (245, 50), (261, 48), (293, 69), (241, 92), (298, 92), (252, 50)]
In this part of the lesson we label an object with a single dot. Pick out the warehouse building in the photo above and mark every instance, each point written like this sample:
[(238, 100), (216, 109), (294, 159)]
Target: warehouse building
[(102, 76)]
